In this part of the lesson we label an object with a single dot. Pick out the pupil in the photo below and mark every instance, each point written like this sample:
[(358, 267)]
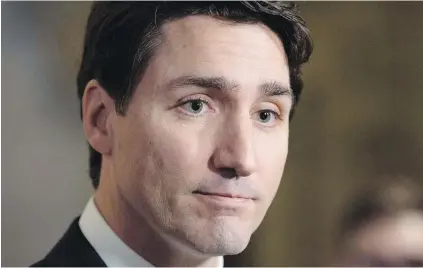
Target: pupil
[(196, 105), (264, 116)]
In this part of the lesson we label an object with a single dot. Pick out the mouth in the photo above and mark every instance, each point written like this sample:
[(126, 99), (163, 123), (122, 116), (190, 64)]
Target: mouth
[(224, 195), (225, 203)]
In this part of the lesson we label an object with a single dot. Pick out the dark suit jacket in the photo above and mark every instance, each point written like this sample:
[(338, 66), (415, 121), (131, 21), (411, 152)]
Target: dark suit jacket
[(72, 250)]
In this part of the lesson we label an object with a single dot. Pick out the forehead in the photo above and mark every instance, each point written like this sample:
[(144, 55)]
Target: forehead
[(247, 54)]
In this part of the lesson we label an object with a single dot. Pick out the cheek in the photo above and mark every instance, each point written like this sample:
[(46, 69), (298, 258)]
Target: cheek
[(272, 154), (182, 150), (165, 156)]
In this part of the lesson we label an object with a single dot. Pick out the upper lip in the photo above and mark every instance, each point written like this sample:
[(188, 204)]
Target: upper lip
[(224, 194)]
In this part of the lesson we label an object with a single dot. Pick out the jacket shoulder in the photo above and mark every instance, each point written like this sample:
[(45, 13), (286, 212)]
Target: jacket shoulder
[(72, 250)]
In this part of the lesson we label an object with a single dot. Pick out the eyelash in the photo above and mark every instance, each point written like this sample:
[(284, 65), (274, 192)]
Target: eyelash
[(189, 99)]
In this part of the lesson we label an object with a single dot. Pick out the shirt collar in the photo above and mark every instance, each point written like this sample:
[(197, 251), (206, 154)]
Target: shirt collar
[(111, 249)]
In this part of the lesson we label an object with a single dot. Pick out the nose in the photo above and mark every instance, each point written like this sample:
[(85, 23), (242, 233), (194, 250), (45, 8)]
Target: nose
[(234, 155)]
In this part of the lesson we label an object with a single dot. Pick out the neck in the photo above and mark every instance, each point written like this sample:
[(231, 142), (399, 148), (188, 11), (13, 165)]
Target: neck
[(136, 232)]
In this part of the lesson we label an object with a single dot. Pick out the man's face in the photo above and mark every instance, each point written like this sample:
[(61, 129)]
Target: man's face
[(202, 148)]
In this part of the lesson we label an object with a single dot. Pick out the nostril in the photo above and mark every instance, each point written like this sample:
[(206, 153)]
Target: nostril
[(228, 173)]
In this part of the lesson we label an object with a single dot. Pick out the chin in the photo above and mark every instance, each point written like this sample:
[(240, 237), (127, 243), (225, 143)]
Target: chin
[(220, 240), (221, 247)]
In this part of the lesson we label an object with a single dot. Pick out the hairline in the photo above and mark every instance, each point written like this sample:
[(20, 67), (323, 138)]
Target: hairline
[(157, 41)]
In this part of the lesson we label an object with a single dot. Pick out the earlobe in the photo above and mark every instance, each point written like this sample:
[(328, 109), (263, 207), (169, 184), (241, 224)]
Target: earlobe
[(96, 115)]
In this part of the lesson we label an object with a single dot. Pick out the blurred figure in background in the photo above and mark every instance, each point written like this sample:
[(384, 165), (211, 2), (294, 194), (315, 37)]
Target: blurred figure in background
[(384, 227)]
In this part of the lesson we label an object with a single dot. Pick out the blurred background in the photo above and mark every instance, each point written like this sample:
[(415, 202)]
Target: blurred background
[(359, 120)]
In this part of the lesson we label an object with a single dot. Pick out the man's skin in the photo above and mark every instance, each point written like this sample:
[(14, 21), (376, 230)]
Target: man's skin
[(189, 172)]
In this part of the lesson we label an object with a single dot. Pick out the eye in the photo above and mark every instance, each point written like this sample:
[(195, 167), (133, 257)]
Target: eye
[(195, 106), (267, 117)]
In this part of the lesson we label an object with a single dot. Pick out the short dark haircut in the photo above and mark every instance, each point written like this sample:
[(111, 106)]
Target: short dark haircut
[(122, 37)]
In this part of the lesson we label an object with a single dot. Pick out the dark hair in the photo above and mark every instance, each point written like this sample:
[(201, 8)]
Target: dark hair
[(121, 38), (398, 195)]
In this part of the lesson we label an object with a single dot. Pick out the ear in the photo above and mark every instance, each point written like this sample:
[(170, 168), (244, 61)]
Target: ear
[(97, 114)]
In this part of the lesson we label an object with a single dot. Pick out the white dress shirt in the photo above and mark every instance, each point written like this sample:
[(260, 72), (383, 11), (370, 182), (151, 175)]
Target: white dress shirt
[(111, 249)]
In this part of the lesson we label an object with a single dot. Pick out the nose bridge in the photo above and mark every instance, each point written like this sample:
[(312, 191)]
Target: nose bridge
[(236, 148)]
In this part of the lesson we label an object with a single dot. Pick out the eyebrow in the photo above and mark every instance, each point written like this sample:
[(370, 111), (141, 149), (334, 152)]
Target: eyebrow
[(271, 88), (274, 88)]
